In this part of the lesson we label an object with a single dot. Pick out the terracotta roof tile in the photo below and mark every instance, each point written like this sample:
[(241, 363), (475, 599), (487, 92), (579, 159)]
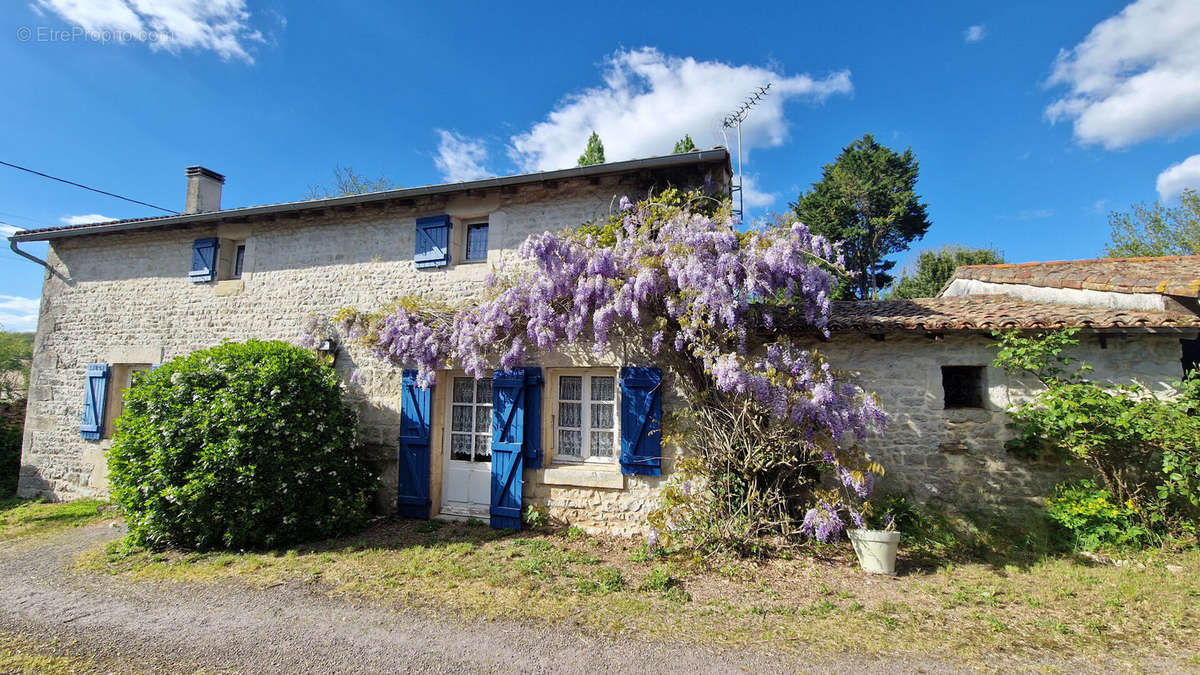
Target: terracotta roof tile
[(1174, 275), (992, 312)]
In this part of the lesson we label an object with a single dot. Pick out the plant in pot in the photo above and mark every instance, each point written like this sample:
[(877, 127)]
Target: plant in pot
[(875, 543)]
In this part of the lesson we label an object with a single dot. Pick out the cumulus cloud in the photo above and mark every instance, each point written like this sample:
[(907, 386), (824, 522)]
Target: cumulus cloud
[(1135, 76), (220, 26), (18, 314), (650, 100), (461, 158), (1179, 177), (753, 196), (85, 219), (974, 33)]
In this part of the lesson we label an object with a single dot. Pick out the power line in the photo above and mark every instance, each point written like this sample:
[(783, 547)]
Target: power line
[(85, 187)]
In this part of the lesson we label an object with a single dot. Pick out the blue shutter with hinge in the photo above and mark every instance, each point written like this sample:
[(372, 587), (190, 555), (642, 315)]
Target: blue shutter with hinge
[(433, 241), (641, 421), (95, 390), (412, 475), (204, 260), (532, 445), (508, 435)]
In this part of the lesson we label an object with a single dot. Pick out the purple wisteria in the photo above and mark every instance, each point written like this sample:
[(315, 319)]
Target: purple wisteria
[(683, 283)]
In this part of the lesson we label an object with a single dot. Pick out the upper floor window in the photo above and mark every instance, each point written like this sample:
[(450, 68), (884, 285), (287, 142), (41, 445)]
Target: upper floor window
[(586, 425), (477, 242)]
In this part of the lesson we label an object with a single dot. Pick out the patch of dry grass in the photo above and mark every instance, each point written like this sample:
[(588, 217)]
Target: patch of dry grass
[(1065, 606)]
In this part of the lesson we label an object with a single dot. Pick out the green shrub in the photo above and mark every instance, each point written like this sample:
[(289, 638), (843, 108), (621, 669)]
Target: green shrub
[(1089, 514), (239, 446), (10, 458)]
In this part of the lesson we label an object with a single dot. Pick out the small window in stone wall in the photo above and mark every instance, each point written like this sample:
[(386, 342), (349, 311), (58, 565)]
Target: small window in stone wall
[(1190, 358), (963, 386)]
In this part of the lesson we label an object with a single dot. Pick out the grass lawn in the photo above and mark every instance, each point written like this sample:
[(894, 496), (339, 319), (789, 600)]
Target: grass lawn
[(24, 519), (1071, 607)]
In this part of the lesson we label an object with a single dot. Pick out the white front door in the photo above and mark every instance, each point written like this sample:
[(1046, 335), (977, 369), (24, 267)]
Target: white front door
[(467, 448)]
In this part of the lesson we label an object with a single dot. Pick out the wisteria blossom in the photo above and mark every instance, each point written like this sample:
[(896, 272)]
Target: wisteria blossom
[(687, 283)]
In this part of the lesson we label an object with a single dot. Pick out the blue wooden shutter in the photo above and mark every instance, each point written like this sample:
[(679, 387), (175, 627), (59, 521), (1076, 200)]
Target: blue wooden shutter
[(95, 392), (533, 418), (641, 421), (508, 435), (204, 260), (433, 241), (412, 476)]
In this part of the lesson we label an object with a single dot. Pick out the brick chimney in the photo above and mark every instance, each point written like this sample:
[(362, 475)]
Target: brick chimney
[(203, 190)]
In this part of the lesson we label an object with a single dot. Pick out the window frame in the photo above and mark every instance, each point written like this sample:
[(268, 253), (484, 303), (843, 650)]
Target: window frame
[(474, 433), (978, 374), (468, 226), (238, 265), (586, 457), (120, 378)]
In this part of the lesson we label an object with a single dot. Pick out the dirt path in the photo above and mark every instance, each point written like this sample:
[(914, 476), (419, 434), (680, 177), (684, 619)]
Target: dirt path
[(173, 627)]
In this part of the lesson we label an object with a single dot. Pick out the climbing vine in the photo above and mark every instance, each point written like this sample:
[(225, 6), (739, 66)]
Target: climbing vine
[(674, 282)]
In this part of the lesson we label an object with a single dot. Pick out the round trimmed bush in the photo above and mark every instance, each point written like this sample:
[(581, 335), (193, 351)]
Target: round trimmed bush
[(240, 446)]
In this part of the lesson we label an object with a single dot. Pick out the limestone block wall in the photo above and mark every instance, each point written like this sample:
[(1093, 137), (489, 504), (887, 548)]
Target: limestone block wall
[(956, 456), (126, 299)]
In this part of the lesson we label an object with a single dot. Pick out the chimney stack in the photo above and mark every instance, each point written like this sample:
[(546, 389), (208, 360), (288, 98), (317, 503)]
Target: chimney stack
[(203, 190)]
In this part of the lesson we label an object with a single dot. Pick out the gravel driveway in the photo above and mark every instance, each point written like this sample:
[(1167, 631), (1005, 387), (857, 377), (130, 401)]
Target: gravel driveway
[(173, 627)]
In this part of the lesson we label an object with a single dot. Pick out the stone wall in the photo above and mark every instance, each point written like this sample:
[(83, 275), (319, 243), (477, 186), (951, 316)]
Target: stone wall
[(956, 456), (126, 299)]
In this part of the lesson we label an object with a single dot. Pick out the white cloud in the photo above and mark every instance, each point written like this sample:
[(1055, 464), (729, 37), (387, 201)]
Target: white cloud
[(85, 219), (1134, 77), (222, 26), (753, 197), (7, 230), (1178, 177), (461, 158), (975, 33), (1100, 205), (17, 313), (650, 100)]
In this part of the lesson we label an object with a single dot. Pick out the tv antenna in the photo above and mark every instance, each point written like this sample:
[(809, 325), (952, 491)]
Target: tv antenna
[(734, 120)]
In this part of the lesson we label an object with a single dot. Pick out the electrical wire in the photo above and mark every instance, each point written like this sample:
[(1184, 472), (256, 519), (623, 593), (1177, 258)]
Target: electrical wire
[(85, 187)]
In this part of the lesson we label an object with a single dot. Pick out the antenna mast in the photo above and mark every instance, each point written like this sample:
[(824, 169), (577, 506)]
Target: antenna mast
[(735, 119)]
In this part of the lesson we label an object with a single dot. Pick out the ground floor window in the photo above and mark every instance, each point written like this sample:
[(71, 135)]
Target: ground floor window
[(585, 426), (120, 378), (471, 420)]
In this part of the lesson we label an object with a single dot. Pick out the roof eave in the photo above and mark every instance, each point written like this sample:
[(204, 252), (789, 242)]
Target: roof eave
[(665, 162)]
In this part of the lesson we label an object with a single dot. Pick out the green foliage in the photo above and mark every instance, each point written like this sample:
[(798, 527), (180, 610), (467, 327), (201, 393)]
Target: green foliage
[(16, 352), (684, 144), (534, 517), (1144, 449), (594, 154), (660, 208), (935, 268), (1091, 517), (867, 199), (348, 182), (1155, 230), (10, 458), (239, 446)]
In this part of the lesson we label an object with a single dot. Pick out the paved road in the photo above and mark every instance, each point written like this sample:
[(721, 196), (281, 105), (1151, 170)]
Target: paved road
[(172, 627)]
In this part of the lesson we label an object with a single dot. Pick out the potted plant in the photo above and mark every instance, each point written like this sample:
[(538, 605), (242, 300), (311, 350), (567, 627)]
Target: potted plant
[(876, 544)]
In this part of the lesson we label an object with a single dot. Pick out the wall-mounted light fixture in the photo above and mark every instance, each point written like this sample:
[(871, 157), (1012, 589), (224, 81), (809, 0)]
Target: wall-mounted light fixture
[(328, 348)]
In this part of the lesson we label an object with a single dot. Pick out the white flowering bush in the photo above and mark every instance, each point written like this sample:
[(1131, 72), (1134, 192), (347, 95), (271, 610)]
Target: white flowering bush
[(241, 446)]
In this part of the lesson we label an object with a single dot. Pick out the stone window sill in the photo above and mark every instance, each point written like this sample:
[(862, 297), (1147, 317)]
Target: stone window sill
[(228, 287), (580, 476)]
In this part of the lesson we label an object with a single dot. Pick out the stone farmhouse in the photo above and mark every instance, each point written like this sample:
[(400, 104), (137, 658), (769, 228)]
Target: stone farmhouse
[(574, 434)]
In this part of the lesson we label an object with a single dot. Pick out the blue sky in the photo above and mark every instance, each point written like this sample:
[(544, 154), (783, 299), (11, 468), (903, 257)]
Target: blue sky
[(1031, 120)]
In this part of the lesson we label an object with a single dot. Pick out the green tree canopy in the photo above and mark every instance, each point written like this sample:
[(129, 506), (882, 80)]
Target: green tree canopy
[(346, 181), (1154, 230), (16, 352), (594, 154), (935, 267), (684, 144), (867, 199)]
